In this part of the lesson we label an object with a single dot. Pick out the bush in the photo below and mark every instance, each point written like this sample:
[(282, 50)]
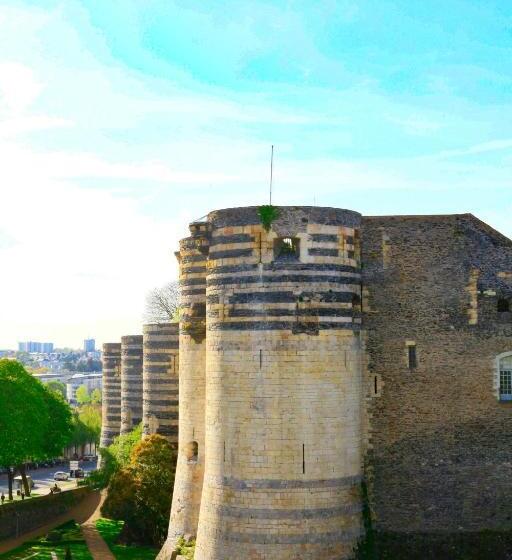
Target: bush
[(140, 494), (114, 457), (186, 549)]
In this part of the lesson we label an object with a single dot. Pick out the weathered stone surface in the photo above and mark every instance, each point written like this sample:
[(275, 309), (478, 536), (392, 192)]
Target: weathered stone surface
[(160, 380), (440, 448)]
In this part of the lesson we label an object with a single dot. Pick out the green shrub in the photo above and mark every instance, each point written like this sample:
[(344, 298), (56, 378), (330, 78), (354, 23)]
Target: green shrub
[(267, 214), (186, 549), (140, 494)]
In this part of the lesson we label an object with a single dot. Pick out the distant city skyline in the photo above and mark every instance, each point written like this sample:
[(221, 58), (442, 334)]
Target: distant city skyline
[(122, 122)]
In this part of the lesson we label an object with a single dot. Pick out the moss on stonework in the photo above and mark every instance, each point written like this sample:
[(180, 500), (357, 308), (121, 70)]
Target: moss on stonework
[(267, 214)]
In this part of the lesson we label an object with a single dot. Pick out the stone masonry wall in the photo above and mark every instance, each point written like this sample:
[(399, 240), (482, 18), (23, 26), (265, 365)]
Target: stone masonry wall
[(160, 380), (439, 445), (111, 398)]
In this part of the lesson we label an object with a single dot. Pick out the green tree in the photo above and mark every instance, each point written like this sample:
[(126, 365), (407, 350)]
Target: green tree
[(96, 396), (60, 426), (90, 416), (34, 421), (140, 493), (115, 457), (82, 395), (58, 387)]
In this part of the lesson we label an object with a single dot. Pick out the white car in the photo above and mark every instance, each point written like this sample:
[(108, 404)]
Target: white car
[(60, 475)]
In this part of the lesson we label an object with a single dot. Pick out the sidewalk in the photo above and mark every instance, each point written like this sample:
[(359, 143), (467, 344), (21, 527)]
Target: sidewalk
[(97, 546)]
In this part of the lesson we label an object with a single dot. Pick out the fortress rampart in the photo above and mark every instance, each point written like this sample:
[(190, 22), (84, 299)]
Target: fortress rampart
[(131, 382), (111, 398), (160, 380), (328, 349)]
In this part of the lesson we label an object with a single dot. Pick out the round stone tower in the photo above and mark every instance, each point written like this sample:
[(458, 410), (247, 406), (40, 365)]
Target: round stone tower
[(192, 344), (111, 399), (131, 382), (160, 380), (283, 386)]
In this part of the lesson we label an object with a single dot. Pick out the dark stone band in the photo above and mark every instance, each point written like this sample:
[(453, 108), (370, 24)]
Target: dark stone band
[(232, 254), (303, 513), (162, 344), (281, 326), (287, 297), (286, 312), (166, 402), (321, 252), (280, 484), (285, 279), (323, 238), (333, 537), (227, 239), (286, 266)]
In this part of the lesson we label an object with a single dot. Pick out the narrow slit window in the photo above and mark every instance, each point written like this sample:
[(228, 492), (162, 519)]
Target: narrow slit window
[(375, 385), (286, 249), (413, 359)]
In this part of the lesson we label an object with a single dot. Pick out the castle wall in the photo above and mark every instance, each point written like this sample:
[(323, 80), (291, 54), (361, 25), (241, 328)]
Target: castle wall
[(283, 386), (192, 343), (439, 448), (160, 380), (111, 394), (131, 382)]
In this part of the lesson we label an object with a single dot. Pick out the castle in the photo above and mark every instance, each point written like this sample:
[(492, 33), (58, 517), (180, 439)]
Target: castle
[(325, 350)]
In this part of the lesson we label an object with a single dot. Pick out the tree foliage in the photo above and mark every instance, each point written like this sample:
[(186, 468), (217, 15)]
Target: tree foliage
[(140, 493), (162, 304), (82, 395), (96, 396), (35, 422), (86, 425), (57, 387), (115, 457)]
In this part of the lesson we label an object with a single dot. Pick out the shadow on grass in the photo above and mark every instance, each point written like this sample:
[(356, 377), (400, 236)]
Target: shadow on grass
[(109, 529), (57, 541)]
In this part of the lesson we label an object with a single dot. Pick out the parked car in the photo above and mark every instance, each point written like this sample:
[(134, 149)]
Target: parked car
[(61, 475), (18, 482)]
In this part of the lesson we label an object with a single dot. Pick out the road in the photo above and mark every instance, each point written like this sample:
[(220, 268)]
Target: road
[(43, 478)]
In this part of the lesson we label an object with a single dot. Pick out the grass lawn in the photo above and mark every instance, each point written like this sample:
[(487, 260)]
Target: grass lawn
[(68, 535), (110, 529)]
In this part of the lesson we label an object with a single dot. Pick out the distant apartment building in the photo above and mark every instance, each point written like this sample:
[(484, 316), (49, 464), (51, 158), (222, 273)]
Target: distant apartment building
[(89, 345), (90, 380), (35, 347)]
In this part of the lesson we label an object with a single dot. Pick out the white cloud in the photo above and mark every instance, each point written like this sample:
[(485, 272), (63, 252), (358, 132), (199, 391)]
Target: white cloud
[(18, 87)]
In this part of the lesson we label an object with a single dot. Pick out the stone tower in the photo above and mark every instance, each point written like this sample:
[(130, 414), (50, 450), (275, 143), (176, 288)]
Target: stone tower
[(111, 400), (188, 483), (131, 382), (282, 451), (160, 380)]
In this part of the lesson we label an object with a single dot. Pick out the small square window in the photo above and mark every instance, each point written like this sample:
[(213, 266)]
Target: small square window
[(286, 249)]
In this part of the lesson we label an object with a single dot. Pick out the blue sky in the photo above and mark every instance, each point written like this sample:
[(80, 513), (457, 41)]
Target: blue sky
[(121, 121)]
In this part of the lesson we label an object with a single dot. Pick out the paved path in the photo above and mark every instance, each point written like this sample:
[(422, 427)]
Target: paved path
[(97, 546)]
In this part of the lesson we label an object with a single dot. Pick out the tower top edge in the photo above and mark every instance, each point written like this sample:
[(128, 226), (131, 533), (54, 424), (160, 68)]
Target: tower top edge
[(249, 215)]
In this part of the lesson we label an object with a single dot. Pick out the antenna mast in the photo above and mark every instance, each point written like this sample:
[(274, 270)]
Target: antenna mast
[(271, 171)]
